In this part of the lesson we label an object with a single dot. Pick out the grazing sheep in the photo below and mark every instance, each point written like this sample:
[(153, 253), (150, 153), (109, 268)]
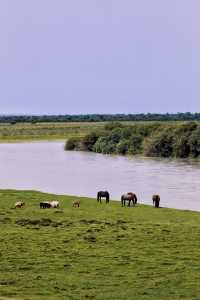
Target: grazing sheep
[(54, 204), (76, 204), (19, 204)]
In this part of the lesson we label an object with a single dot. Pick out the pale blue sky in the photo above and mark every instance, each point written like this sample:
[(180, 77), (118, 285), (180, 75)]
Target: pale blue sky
[(99, 56)]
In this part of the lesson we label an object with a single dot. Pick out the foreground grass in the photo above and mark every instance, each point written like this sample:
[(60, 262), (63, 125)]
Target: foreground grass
[(97, 251)]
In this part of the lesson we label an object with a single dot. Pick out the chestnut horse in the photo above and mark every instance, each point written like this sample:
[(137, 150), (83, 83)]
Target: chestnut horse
[(128, 197)]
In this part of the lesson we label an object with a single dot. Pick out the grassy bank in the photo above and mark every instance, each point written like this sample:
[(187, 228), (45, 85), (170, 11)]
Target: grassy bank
[(98, 251), (45, 131)]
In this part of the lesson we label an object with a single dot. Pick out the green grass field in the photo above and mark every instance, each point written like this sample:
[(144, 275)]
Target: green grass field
[(45, 131), (97, 251)]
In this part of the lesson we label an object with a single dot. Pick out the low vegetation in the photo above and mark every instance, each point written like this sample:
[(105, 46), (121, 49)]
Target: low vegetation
[(181, 139), (97, 251), (45, 131)]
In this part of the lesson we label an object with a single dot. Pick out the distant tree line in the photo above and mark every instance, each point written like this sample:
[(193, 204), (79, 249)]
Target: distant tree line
[(13, 119), (154, 139)]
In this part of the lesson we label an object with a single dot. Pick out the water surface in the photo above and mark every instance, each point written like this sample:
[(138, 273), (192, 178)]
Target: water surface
[(45, 166)]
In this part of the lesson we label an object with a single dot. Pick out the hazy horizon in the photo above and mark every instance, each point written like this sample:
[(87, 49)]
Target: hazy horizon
[(99, 57)]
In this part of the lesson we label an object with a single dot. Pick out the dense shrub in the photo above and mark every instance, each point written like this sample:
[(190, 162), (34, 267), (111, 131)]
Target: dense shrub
[(135, 143), (154, 139), (104, 145), (181, 147), (72, 144), (115, 135), (122, 147), (160, 145), (126, 132), (194, 142), (89, 140)]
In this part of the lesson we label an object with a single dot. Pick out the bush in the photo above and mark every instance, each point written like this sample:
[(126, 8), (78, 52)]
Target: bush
[(160, 145), (72, 144), (181, 147), (115, 135), (194, 142), (135, 143), (104, 145), (185, 129), (89, 140), (126, 132), (122, 147)]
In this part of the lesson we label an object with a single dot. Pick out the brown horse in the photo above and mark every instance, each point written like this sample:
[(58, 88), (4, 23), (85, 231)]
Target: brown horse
[(103, 194), (128, 197), (156, 200)]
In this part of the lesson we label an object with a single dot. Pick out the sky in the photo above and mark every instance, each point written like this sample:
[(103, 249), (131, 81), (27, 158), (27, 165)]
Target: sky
[(99, 56)]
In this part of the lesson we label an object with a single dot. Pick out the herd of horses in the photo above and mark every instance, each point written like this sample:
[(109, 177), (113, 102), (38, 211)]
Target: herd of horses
[(130, 197), (127, 197)]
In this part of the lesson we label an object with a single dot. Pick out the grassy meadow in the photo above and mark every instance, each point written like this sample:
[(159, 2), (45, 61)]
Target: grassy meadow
[(97, 251), (45, 131)]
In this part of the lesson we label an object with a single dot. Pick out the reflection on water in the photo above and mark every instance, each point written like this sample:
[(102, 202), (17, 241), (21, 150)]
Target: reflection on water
[(47, 167)]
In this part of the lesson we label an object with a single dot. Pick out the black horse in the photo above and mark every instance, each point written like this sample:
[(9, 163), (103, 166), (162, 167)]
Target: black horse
[(103, 194), (156, 200), (129, 197)]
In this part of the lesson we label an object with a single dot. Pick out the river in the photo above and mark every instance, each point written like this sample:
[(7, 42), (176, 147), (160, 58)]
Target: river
[(45, 166)]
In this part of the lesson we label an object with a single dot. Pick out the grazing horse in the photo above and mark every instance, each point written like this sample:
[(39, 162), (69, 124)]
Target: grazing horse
[(128, 197), (76, 204), (156, 200), (103, 194), (54, 204), (19, 204), (45, 205)]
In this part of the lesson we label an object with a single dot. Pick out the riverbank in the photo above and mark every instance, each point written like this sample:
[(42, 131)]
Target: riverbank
[(97, 251), (55, 130), (156, 139)]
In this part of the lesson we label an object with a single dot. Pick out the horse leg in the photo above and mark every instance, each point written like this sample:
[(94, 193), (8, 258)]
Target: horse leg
[(135, 199)]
